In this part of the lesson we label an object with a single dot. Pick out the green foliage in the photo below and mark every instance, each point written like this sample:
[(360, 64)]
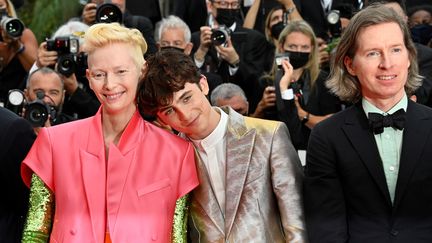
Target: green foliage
[(43, 17)]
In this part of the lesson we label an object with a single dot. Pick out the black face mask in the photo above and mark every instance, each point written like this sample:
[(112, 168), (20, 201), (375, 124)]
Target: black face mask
[(226, 16), (276, 29), (298, 59), (421, 33), (172, 48)]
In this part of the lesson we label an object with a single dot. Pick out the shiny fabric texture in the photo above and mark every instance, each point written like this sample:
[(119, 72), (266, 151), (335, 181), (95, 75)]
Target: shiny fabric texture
[(133, 192), (40, 214), (263, 193), (181, 213)]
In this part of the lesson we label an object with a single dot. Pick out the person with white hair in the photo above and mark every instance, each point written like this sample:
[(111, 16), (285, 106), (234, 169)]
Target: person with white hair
[(173, 32), (229, 94)]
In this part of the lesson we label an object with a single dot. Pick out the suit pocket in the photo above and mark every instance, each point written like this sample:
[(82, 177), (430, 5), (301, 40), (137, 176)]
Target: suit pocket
[(155, 186)]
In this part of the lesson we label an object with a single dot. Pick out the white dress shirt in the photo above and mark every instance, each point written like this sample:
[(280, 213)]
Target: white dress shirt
[(212, 151)]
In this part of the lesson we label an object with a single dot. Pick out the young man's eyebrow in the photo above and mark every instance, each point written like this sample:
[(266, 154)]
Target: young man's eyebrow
[(183, 95)]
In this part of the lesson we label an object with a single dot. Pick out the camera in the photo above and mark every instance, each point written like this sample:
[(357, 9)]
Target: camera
[(63, 45), (334, 23), (12, 26), (72, 63), (37, 111), (220, 35), (296, 87), (335, 28), (15, 101), (108, 13), (67, 48), (279, 57)]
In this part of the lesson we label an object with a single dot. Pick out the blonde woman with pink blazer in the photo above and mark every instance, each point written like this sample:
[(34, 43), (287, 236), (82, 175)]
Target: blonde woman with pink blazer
[(112, 177)]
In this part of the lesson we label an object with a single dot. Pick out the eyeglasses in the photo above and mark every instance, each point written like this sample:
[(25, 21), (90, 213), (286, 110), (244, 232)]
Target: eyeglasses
[(224, 4)]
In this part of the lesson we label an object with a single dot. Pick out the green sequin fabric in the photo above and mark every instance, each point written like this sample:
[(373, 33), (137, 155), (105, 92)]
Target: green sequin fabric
[(39, 219), (181, 213)]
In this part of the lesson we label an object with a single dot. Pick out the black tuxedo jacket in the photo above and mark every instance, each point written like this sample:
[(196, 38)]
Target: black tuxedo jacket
[(16, 138), (252, 48), (345, 191)]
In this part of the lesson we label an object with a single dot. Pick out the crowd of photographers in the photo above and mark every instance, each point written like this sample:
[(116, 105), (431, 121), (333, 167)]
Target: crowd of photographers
[(242, 43), (230, 47)]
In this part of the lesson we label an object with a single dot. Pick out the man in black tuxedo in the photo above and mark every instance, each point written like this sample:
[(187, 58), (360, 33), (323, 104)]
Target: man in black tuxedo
[(369, 167), (16, 138), (241, 59)]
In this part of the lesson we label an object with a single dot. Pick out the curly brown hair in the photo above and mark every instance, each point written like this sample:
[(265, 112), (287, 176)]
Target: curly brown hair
[(167, 72)]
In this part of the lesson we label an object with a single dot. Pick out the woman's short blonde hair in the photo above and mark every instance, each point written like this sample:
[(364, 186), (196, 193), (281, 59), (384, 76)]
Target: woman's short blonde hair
[(99, 35)]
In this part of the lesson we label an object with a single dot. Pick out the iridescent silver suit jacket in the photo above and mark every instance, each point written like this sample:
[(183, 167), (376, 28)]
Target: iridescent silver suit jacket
[(263, 188)]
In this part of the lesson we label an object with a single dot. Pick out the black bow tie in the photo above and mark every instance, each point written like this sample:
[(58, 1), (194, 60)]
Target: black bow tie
[(377, 122)]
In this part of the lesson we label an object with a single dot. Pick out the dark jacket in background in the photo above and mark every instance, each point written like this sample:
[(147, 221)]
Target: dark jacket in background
[(16, 138)]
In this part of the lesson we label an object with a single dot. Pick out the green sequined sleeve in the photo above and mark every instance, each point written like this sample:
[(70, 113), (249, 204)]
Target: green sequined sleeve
[(181, 213), (41, 209)]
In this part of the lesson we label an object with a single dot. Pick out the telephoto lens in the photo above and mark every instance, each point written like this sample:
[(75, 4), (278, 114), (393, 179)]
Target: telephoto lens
[(220, 35), (108, 13), (13, 27)]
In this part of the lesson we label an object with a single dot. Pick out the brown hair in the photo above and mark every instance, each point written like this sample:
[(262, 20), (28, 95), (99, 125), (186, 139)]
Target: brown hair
[(167, 72)]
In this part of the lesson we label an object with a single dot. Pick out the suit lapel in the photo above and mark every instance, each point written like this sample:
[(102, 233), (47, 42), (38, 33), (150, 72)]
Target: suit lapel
[(205, 196), (414, 140), (97, 186), (121, 157), (239, 151), (357, 131), (92, 160)]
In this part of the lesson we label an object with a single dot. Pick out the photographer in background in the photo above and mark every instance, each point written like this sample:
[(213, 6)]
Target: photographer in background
[(16, 138), (17, 53), (80, 100), (240, 59), (173, 33), (45, 86), (302, 98), (231, 95), (142, 23)]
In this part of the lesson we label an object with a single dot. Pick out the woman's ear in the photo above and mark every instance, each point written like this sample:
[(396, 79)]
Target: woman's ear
[(88, 78)]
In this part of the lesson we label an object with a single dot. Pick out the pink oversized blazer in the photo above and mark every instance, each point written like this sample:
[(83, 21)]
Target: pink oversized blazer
[(134, 192)]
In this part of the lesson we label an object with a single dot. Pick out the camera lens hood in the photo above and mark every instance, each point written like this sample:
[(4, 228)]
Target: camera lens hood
[(108, 13)]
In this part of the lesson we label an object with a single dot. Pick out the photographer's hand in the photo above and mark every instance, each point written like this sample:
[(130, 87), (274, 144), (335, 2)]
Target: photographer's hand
[(70, 83), (45, 58), (312, 119), (323, 54), (89, 13), (228, 53), (205, 42), (268, 100), (287, 77)]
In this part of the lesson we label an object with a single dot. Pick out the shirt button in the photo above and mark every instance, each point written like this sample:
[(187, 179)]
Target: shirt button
[(392, 168)]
